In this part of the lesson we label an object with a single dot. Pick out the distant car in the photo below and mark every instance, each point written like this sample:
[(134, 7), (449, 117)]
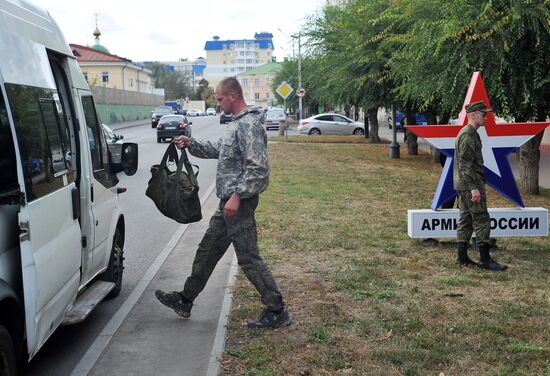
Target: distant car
[(210, 111), (225, 118), (158, 113), (272, 118), (183, 112), (334, 124), (171, 126), (195, 112), (114, 143), (400, 119)]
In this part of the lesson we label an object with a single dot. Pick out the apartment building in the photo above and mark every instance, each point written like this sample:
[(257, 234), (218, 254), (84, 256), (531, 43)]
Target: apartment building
[(228, 58), (257, 82)]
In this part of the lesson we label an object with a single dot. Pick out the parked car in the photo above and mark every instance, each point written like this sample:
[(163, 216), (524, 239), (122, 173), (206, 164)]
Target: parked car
[(171, 126), (330, 124), (114, 143), (272, 117), (400, 119), (195, 112), (210, 111), (158, 113), (226, 118)]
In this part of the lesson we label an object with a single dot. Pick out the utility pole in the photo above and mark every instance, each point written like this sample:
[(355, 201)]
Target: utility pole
[(300, 74)]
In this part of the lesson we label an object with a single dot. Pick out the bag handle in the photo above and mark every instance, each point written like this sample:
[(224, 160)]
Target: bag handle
[(184, 160), (171, 152)]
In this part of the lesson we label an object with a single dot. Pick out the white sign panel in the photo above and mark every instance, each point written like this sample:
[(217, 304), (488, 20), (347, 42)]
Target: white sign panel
[(427, 223)]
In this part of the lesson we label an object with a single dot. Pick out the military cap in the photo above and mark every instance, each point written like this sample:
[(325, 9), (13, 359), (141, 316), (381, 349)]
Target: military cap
[(477, 106)]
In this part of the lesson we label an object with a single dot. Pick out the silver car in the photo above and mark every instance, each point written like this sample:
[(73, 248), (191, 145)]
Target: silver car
[(330, 124)]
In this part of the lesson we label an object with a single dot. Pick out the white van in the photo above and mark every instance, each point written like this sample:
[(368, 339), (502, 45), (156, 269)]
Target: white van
[(61, 226)]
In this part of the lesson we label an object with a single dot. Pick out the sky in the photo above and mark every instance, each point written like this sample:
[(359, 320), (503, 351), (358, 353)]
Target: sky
[(163, 30)]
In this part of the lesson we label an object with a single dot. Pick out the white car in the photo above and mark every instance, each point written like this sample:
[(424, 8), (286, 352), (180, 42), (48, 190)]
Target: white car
[(273, 117), (330, 124), (195, 112), (210, 111)]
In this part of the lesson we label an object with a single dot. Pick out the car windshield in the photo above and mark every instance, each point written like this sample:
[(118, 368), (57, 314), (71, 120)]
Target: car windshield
[(172, 119), (162, 110)]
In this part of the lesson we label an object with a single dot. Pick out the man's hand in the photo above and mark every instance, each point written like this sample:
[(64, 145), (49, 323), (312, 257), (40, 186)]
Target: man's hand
[(476, 196), (182, 142), (232, 206)]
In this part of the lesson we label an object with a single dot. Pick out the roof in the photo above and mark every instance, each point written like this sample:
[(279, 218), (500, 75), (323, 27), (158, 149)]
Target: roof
[(219, 44), (272, 67), (83, 53), (100, 48)]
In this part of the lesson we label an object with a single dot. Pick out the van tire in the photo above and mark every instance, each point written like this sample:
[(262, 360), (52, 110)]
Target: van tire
[(7, 353), (116, 265)]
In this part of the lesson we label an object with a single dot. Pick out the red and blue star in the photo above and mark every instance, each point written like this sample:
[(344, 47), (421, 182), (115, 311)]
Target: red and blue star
[(498, 141)]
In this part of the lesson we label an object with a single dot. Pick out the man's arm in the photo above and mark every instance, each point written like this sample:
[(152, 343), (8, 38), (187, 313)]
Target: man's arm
[(198, 148), (465, 157)]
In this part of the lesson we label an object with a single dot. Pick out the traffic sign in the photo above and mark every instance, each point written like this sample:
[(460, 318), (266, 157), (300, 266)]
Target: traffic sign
[(284, 90), (301, 92)]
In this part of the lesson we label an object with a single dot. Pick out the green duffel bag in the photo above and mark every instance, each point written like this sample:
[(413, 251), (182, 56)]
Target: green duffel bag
[(175, 193)]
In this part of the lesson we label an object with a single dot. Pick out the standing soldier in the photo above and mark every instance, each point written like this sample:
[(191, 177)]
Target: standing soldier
[(242, 174), (469, 182)]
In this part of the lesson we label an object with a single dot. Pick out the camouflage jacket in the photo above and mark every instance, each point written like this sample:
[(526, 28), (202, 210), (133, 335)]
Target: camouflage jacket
[(243, 166), (468, 161)]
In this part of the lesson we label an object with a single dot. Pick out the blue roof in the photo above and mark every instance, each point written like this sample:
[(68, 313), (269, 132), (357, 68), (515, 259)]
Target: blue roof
[(219, 44), (263, 35)]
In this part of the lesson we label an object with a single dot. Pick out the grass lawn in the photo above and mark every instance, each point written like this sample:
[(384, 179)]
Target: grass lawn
[(366, 299)]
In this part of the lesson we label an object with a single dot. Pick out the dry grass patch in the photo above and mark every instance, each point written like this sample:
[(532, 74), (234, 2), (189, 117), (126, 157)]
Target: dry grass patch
[(366, 299)]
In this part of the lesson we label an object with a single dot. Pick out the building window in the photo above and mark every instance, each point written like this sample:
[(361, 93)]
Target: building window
[(257, 96), (131, 82), (257, 82), (245, 82), (105, 77)]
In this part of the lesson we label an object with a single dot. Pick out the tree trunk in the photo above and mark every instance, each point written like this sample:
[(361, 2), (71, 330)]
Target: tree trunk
[(431, 119), (529, 160), (373, 122), (411, 139)]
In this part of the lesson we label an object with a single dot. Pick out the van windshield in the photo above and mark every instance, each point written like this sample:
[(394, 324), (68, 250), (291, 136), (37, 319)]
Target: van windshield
[(8, 167)]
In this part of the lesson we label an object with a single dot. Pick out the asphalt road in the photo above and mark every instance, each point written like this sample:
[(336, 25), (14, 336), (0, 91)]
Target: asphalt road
[(147, 232)]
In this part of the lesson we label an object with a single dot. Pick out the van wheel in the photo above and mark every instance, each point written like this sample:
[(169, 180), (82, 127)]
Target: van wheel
[(315, 132), (116, 265), (7, 353)]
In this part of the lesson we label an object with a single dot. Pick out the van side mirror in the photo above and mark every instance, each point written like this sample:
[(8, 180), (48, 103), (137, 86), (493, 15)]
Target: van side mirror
[(128, 159)]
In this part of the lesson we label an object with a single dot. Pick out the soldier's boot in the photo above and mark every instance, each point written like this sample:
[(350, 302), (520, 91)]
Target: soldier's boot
[(462, 257), (485, 260), (271, 319), (176, 301)]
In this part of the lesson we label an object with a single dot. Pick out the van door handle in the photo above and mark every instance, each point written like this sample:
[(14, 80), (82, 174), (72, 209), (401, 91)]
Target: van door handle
[(75, 197), (92, 193), (24, 233)]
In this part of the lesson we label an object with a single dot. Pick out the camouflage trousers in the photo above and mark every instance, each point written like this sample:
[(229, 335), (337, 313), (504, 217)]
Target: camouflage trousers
[(241, 231), (473, 217)]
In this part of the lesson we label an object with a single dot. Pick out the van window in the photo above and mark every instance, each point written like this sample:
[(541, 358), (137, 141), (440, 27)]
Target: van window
[(8, 167), (42, 141), (98, 146)]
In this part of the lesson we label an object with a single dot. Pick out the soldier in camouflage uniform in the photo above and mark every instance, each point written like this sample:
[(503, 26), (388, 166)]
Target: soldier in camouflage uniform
[(469, 182), (242, 174)]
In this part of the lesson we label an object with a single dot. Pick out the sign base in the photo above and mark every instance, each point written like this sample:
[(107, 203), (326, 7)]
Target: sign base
[(505, 222)]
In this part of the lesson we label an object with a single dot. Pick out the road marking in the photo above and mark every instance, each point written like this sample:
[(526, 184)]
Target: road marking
[(102, 340)]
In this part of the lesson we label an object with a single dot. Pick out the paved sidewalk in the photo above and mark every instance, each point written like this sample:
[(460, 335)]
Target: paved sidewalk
[(153, 339), (544, 164)]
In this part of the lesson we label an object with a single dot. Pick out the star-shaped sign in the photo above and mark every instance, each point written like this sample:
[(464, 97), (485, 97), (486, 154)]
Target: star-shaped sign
[(498, 141)]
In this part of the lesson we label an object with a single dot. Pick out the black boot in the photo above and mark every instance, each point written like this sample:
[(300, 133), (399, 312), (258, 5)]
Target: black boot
[(485, 260), (462, 258)]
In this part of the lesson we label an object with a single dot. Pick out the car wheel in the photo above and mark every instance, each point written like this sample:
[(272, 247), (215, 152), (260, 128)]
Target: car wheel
[(315, 132), (116, 265), (152, 125), (7, 353), (359, 132)]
